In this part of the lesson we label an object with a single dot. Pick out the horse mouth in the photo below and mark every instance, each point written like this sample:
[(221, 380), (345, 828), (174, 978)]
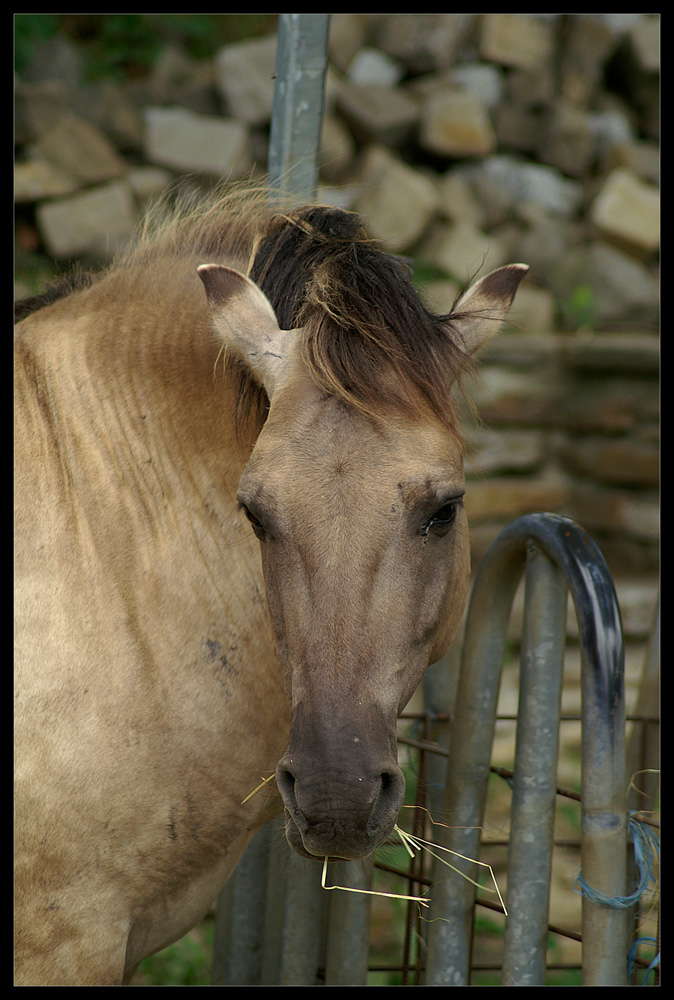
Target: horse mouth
[(350, 829), (345, 852)]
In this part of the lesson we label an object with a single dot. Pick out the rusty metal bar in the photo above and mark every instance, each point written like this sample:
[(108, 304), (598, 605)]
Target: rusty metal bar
[(603, 853)]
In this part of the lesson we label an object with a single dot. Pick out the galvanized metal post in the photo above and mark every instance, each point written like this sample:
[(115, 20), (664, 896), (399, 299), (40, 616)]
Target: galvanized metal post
[(603, 852), (249, 949), (239, 922), (535, 783), (348, 931), (301, 64)]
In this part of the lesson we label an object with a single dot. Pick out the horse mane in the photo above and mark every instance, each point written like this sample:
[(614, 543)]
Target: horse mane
[(57, 289), (370, 339)]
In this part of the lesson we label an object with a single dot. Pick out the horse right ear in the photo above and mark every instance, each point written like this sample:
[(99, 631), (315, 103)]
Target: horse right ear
[(480, 311), (245, 319)]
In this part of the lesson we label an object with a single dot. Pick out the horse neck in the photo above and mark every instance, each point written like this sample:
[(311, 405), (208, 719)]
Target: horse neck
[(133, 366)]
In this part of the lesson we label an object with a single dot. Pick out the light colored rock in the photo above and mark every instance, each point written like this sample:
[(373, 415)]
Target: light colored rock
[(516, 40), (459, 201), (507, 497), (519, 183), (425, 43), (80, 149), (628, 209), (642, 158), (148, 183), (495, 452), (644, 38), (440, 295), (637, 515), (348, 34), (632, 353), (37, 178), (245, 78), (526, 399), (372, 66), (461, 250), (482, 81), (566, 140), (620, 285), (377, 113), (533, 310), (396, 201), (184, 141), (456, 125), (620, 461), (96, 221)]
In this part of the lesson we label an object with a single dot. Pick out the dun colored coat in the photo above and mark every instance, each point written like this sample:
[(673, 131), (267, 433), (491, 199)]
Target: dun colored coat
[(240, 540)]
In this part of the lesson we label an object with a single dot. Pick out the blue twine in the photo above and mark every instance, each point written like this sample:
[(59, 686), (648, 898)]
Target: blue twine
[(633, 954), (646, 853)]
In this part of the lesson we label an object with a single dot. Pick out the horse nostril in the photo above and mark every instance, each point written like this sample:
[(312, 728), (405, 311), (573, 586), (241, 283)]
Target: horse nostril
[(386, 781), (285, 781), (389, 798)]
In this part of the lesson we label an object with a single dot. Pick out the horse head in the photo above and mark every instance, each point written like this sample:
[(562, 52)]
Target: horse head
[(364, 544)]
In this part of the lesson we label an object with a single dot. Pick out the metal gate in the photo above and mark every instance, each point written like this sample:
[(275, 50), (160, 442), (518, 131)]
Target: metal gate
[(277, 925)]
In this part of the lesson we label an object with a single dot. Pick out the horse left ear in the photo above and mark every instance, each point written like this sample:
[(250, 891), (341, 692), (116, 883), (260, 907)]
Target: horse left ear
[(480, 311), (245, 319)]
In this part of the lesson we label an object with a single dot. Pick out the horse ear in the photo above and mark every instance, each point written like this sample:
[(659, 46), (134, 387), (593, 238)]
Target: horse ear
[(245, 319), (480, 311)]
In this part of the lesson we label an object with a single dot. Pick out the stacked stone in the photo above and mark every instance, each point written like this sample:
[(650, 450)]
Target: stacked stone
[(466, 141)]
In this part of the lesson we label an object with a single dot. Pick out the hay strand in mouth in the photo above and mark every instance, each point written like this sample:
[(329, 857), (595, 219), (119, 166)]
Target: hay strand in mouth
[(262, 784), (370, 892), (425, 845), (412, 844)]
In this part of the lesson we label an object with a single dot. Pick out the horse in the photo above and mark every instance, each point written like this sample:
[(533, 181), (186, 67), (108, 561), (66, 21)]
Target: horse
[(240, 539)]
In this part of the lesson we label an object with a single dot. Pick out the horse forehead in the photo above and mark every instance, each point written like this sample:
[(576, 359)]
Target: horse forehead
[(329, 444)]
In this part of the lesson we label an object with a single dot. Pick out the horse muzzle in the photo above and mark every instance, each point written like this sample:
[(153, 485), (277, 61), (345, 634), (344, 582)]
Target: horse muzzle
[(339, 814)]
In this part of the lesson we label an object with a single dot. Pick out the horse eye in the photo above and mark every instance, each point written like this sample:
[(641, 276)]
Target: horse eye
[(257, 524), (446, 514), (442, 518)]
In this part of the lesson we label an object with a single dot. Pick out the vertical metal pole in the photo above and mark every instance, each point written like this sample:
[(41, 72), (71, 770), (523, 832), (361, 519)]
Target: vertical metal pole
[(303, 921), (301, 64), (239, 921), (535, 783), (349, 924), (240, 958), (471, 737)]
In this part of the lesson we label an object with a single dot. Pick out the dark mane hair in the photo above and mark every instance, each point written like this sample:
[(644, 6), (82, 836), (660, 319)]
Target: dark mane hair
[(364, 318), (57, 289), (371, 340)]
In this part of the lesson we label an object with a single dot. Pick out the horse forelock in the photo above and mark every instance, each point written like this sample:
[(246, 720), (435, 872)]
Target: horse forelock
[(369, 338)]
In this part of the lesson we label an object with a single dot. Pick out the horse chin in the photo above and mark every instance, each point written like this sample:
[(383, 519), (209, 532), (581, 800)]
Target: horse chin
[(344, 853)]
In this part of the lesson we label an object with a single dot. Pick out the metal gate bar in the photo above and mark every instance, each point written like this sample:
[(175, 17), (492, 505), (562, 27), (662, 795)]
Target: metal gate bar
[(297, 116), (603, 851), (534, 790)]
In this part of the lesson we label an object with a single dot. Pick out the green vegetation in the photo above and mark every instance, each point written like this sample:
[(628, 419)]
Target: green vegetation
[(185, 963), (123, 45)]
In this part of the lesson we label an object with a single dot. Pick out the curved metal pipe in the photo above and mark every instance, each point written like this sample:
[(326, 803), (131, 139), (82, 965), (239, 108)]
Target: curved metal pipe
[(603, 854)]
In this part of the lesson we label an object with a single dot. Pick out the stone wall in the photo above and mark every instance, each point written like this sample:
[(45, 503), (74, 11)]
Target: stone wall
[(466, 141)]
